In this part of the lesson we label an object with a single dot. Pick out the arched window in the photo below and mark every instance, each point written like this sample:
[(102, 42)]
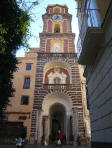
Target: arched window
[(56, 10), (57, 28), (57, 80)]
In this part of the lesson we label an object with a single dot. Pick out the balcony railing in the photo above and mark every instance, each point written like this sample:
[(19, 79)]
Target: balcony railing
[(57, 86), (56, 55), (89, 37), (92, 17)]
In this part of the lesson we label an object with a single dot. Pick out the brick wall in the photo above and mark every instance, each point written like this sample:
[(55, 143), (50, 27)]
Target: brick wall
[(48, 45), (74, 91)]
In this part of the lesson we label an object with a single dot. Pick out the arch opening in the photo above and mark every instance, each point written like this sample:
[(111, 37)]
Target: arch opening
[(56, 113), (56, 10), (57, 120), (57, 28)]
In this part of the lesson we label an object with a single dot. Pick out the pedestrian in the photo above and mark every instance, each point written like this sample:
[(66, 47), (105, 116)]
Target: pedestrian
[(59, 142), (18, 142), (23, 143)]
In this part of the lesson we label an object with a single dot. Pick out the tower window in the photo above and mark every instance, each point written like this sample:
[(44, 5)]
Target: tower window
[(28, 66), (57, 28), (26, 82), (22, 117), (56, 10), (24, 100)]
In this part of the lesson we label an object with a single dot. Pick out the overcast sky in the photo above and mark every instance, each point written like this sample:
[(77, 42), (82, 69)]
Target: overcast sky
[(37, 25)]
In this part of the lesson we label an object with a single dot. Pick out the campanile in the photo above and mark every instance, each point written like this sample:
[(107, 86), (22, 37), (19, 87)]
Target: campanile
[(57, 95)]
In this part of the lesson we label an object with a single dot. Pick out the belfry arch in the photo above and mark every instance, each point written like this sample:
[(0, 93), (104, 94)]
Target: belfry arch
[(57, 28)]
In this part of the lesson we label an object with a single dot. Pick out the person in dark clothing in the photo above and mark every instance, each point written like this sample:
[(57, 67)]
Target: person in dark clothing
[(18, 142)]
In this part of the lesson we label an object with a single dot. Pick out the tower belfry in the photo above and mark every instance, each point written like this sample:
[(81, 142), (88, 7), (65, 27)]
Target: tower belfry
[(57, 95)]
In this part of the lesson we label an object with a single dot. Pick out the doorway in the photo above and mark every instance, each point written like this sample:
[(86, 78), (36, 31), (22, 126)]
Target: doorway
[(57, 120)]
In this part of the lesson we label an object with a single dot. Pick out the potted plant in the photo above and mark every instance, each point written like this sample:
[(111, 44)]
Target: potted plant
[(71, 139), (64, 139), (50, 139), (43, 140)]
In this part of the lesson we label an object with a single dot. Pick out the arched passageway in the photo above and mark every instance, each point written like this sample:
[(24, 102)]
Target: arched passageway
[(57, 120)]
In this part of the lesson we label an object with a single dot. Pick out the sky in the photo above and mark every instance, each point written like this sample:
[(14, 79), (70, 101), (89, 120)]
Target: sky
[(36, 25)]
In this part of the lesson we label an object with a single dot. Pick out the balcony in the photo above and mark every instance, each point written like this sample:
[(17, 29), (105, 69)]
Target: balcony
[(91, 34), (57, 86), (90, 45)]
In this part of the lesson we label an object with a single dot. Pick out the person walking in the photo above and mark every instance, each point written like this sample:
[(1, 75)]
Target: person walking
[(59, 142), (23, 143), (18, 142)]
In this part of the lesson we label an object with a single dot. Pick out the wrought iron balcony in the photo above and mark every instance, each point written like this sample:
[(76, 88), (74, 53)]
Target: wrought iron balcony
[(89, 46), (91, 29), (89, 42), (57, 86)]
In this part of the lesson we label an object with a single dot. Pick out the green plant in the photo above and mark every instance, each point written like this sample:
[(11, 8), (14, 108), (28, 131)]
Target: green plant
[(42, 138), (50, 137), (64, 139), (14, 26), (71, 137)]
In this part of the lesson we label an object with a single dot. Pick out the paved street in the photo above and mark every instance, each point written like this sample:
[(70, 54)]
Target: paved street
[(40, 146)]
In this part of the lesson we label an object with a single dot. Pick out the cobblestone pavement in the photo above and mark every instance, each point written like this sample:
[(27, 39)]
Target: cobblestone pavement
[(40, 146)]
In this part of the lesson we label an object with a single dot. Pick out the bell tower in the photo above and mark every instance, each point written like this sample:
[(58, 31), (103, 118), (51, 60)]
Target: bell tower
[(57, 36), (57, 95)]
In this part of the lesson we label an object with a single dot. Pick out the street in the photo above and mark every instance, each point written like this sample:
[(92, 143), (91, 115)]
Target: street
[(40, 146)]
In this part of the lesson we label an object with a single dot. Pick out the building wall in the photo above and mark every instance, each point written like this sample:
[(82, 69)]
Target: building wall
[(99, 80), (86, 114), (15, 110), (98, 74)]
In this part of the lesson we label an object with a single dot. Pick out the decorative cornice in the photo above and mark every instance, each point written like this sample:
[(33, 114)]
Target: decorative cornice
[(66, 15), (57, 35), (61, 55), (8, 112)]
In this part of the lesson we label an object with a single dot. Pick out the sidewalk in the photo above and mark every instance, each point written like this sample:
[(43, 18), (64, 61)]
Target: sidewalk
[(41, 146)]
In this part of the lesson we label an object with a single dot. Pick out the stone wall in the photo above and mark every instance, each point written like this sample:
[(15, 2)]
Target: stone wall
[(99, 80), (73, 90)]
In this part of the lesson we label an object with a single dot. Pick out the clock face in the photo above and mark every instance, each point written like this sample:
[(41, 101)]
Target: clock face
[(57, 18)]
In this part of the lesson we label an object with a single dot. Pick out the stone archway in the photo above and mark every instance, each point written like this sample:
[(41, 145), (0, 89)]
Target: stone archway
[(57, 114), (56, 111)]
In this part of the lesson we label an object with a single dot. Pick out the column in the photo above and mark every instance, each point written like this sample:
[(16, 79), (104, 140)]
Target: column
[(75, 119), (39, 129), (46, 129), (34, 122), (68, 128)]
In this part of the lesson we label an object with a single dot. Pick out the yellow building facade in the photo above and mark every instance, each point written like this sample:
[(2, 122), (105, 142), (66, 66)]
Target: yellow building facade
[(20, 107)]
